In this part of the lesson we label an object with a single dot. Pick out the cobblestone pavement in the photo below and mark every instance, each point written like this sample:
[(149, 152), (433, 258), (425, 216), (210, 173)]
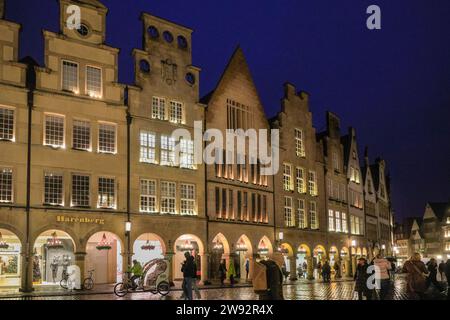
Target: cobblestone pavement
[(303, 290)]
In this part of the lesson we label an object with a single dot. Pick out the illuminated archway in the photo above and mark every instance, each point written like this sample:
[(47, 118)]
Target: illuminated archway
[(364, 252), (187, 243), (241, 259), (333, 255), (10, 259), (265, 247), (303, 253), (358, 252), (104, 255), (54, 253), (220, 251), (147, 247)]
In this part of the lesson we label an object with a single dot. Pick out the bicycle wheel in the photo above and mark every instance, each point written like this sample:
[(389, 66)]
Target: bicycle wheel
[(120, 290), (163, 288), (63, 284), (88, 284)]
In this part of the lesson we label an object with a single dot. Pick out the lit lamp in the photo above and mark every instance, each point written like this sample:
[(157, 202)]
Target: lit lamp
[(241, 247), (439, 257), (128, 226), (263, 248), (353, 243), (54, 242), (104, 244), (218, 246), (283, 250), (187, 246), (147, 246)]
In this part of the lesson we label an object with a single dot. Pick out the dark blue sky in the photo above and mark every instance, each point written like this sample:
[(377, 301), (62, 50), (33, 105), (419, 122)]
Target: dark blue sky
[(392, 85)]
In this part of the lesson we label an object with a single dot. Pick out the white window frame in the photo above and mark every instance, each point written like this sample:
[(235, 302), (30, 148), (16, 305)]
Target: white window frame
[(187, 154), (313, 221), (171, 199), (61, 195), (287, 177), (89, 148), (167, 151), (13, 138), (97, 95), (337, 216), (187, 199), (55, 146), (302, 218), (77, 90), (331, 220), (110, 124), (107, 203), (158, 108), (312, 183), (176, 112), (147, 148), (88, 191), (7, 196), (148, 196), (300, 143), (300, 177), (289, 219)]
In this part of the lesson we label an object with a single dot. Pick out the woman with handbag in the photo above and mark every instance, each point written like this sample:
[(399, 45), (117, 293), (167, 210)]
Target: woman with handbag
[(417, 277)]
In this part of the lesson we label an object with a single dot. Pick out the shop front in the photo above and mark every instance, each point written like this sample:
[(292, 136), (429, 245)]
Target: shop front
[(10, 260), (220, 252), (191, 244)]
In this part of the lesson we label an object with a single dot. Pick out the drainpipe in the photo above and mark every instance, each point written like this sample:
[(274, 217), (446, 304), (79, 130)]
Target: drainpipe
[(207, 251), (31, 86), (129, 121)]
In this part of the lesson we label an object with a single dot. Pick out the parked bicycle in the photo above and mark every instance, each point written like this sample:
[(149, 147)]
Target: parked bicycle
[(67, 283), (88, 283)]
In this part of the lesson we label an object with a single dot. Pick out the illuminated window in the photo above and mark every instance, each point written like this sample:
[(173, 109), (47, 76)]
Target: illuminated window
[(53, 189), (302, 221), (330, 220), (81, 138), (148, 147), (312, 183), (106, 193), (6, 185), (187, 154), (176, 112), (159, 108), (288, 215), (168, 197), (338, 221), (239, 116), (148, 196), (299, 143), (6, 124), (54, 131), (187, 192), (107, 138), (94, 82), (167, 151), (287, 177), (80, 191), (300, 175), (313, 221), (70, 76)]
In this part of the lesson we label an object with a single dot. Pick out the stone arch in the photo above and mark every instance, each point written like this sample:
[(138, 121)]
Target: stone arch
[(320, 250), (303, 248), (15, 231), (220, 238), (118, 235), (265, 242), (58, 228), (364, 252), (201, 247), (12, 261), (151, 236), (186, 243), (245, 240), (286, 249)]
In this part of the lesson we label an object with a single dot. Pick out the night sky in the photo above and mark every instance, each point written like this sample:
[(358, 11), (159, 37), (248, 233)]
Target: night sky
[(392, 85)]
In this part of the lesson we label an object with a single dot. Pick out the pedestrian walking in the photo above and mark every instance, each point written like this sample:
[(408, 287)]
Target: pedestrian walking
[(337, 270), (189, 272), (300, 271), (326, 272), (305, 269), (382, 267), (319, 269), (433, 286), (223, 271), (361, 277), (416, 278), (247, 269), (231, 272)]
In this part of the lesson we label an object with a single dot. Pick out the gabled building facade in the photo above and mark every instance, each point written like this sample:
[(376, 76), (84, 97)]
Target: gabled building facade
[(436, 230)]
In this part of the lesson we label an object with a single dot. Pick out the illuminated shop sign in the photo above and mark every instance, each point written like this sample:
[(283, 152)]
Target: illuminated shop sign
[(80, 220)]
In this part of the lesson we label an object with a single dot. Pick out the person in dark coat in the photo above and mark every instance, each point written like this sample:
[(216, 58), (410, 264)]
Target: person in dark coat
[(416, 279), (189, 272), (447, 274), (361, 277), (326, 272), (223, 272)]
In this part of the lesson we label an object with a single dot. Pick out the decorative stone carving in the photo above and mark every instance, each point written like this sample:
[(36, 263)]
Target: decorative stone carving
[(169, 71)]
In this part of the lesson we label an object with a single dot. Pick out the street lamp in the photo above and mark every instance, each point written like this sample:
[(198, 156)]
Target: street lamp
[(127, 226)]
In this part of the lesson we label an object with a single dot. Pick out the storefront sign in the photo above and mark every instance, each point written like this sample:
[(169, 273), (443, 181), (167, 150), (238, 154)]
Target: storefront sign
[(80, 220)]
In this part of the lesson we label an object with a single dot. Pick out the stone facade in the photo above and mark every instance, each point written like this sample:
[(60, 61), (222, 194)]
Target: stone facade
[(89, 163)]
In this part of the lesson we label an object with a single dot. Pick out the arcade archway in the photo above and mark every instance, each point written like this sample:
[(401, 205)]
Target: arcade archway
[(54, 253), (242, 258), (220, 251), (187, 243), (10, 259), (147, 247), (104, 255)]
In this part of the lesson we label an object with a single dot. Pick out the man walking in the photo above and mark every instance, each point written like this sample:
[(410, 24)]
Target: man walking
[(188, 269), (447, 274), (382, 267)]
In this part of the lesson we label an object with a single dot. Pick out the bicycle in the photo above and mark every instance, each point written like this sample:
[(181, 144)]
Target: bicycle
[(66, 282), (88, 283), (121, 289)]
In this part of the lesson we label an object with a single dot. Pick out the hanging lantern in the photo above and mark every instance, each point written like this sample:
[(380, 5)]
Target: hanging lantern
[(147, 246), (218, 246), (283, 250), (241, 247), (262, 248), (54, 242), (104, 244), (187, 246), (302, 250), (3, 244)]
